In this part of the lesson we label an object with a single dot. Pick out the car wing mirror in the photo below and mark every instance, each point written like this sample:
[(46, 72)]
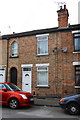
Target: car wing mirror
[(4, 89)]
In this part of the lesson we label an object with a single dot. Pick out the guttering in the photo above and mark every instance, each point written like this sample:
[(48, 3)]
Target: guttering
[(43, 31)]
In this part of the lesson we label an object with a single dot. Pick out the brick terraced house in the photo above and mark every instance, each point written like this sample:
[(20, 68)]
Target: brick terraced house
[(46, 62), (3, 59)]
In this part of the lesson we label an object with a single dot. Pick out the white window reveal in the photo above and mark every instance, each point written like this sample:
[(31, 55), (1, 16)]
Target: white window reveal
[(42, 44), (42, 74)]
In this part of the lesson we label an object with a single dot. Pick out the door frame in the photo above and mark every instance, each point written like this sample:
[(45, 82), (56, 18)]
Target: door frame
[(3, 67), (27, 66), (11, 80)]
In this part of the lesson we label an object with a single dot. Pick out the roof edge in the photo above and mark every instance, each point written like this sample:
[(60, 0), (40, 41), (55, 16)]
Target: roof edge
[(42, 31)]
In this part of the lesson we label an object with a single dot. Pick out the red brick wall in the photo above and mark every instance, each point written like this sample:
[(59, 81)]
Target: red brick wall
[(63, 17), (61, 69)]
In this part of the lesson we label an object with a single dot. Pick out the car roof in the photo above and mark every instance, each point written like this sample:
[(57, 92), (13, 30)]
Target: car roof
[(6, 82)]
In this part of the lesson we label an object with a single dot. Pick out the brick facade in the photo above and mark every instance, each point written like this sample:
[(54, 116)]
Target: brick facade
[(61, 69), (3, 56), (61, 72), (3, 52)]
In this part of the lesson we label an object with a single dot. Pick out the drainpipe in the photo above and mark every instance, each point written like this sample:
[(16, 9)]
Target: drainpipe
[(7, 59)]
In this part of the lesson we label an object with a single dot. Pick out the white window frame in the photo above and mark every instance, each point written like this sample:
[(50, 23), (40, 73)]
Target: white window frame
[(42, 66), (12, 50), (42, 35), (76, 37), (76, 63)]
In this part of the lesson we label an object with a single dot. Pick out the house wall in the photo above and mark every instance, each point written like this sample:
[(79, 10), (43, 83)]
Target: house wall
[(3, 56), (0, 52), (4, 52), (61, 73), (61, 70)]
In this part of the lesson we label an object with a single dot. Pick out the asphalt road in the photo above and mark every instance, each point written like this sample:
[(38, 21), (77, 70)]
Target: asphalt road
[(37, 112)]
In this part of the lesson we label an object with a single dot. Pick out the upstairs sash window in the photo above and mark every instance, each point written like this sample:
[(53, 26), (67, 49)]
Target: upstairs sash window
[(42, 45), (14, 49), (77, 42)]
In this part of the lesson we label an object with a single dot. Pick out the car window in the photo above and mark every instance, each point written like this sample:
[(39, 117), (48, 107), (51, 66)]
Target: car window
[(13, 87), (2, 86), (7, 87)]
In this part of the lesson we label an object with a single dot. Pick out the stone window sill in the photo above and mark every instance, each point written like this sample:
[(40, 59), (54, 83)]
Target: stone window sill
[(76, 52), (77, 87), (14, 56), (42, 55), (42, 86)]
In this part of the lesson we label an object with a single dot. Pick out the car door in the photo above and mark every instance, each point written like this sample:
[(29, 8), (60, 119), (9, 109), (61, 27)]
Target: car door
[(5, 94), (0, 93), (78, 98)]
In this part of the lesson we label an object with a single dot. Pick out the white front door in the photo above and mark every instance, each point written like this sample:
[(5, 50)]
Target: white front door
[(2, 75), (26, 79)]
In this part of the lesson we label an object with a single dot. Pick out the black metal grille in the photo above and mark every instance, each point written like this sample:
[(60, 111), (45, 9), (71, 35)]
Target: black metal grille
[(30, 96)]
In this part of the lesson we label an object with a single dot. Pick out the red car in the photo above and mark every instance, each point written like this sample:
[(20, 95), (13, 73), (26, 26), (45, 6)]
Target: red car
[(12, 96)]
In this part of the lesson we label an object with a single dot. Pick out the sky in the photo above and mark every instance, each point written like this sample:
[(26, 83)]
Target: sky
[(27, 15)]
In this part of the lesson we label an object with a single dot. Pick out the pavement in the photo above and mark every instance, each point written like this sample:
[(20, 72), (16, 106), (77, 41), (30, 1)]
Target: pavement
[(54, 102)]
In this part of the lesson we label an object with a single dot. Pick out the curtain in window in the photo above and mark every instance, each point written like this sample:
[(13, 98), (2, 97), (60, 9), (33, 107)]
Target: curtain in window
[(42, 78), (42, 45)]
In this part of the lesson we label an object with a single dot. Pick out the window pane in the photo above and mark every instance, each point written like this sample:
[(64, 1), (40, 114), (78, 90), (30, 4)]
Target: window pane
[(42, 44), (42, 68), (78, 80), (14, 51), (77, 68), (78, 75), (77, 72), (42, 78), (77, 34), (42, 75), (77, 44), (43, 38), (26, 69), (42, 47), (14, 48), (14, 45)]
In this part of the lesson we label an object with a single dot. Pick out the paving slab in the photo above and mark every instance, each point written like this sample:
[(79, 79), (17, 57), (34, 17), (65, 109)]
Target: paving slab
[(47, 101)]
